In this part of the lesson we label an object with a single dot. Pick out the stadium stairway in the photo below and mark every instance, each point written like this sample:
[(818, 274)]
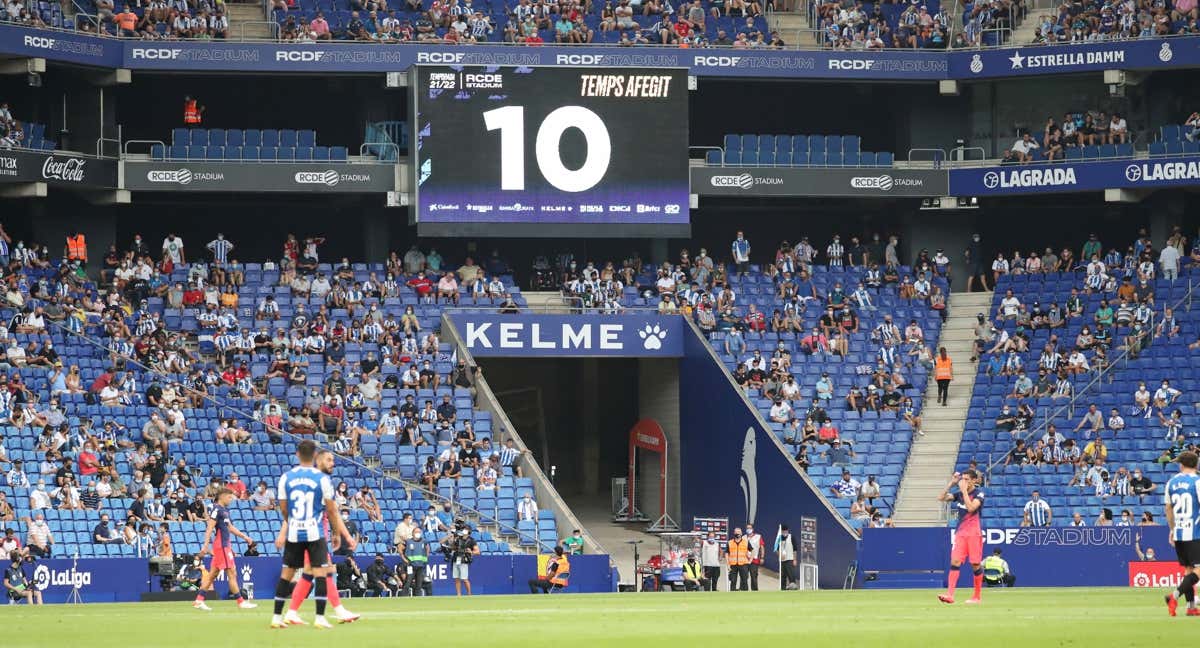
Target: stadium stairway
[(932, 457), (247, 20), (793, 28)]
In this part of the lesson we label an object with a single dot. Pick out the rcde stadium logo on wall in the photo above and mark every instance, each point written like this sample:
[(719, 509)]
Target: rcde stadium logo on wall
[(1056, 177), (328, 178), (744, 180), (183, 176), (882, 183)]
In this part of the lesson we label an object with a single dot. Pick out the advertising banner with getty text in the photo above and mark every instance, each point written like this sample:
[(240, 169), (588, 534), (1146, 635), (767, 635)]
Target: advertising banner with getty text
[(1065, 177), (865, 182), (633, 335), (315, 177), (57, 169)]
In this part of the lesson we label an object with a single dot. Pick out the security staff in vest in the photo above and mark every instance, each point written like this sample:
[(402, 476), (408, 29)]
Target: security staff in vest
[(76, 248), (558, 570), (737, 554), (192, 113), (943, 372), (996, 572), (788, 559), (710, 560), (757, 552), (416, 556), (693, 575)]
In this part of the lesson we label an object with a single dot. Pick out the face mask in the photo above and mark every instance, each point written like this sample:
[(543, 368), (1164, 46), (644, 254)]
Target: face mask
[(416, 536)]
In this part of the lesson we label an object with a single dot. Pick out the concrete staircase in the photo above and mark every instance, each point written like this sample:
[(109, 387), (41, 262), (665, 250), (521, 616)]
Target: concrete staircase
[(793, 26), (247, 22), (933, 456)]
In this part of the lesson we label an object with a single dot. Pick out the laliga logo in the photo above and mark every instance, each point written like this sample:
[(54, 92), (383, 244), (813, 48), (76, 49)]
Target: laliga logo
[(976, 64), (1133, 172), (743, 181), (44, 577), (328, 178), (1165, 54)]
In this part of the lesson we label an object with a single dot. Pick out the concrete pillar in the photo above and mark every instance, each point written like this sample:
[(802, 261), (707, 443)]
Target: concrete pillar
[(589, 434)]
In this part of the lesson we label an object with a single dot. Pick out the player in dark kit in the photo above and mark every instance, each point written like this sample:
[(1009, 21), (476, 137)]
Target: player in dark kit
[(968, 536), (219, 531), (1182, 497)]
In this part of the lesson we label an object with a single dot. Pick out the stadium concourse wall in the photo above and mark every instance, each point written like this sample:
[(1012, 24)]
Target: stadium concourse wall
[(1037, 556), (108, 580), (731, 465)]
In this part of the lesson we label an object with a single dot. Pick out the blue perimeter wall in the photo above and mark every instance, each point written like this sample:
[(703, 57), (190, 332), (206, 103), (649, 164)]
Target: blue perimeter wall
[(105, 580), (731, 466)]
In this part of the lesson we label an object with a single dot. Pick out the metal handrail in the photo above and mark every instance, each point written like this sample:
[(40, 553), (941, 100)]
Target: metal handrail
[(125, 147), (958, 154), (272, 28), (1069, 406), (384, 146), (939, 157)]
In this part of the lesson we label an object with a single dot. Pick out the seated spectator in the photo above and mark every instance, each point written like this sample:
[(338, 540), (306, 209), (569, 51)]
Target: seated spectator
[(846, 487)]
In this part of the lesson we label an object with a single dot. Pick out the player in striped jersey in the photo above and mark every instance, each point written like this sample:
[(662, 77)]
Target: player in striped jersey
[(324, 463), (303, 492), (1182, 497)]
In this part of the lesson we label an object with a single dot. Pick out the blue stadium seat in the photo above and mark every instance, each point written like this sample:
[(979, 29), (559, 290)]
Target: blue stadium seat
[(250, 152), (320, 153), (216, 137), (253, 137), (286, 154), (234, 138), (197, 152), (215, 153), (233, 152), (306, 138), (199, 137), (338, 154), (270, 138), (733, 143), (884, 159), (287, 137), (268, 153), (304, 153), (158, 152)]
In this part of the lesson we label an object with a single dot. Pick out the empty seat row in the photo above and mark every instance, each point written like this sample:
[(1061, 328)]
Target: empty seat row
[(1175, 148), (251, 153), (800, 158), (238, 137), (760, 144)]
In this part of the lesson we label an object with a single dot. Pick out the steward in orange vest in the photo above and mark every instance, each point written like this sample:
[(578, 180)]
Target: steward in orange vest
[(77, 248), (191, 112)]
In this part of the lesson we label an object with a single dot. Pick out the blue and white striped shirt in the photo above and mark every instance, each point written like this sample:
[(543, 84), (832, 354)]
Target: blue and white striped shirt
[(1038, 512), (220, 249)]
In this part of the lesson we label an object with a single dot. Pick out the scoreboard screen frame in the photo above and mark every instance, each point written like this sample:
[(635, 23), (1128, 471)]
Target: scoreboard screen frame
[(549, 151)]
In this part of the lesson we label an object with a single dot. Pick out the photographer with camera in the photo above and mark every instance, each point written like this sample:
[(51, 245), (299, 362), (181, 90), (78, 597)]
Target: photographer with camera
[(17, 583), (460, 550)]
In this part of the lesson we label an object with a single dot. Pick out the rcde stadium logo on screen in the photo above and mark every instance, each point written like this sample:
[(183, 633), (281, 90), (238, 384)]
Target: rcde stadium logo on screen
[(483, 81)]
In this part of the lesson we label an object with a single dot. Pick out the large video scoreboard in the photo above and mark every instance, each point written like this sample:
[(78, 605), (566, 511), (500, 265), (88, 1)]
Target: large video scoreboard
[(550, 151)]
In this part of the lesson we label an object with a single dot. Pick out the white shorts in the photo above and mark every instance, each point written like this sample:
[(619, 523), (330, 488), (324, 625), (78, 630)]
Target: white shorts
[(460, 571)]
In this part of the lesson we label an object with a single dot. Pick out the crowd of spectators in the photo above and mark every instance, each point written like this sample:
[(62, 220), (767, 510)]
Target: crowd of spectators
[(19, 12), (1126, 318), (1082, 22), (1076, 130), (850, 27), (12, 132)]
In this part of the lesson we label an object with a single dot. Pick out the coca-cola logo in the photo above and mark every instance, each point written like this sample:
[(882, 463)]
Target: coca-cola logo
[(68, 170)]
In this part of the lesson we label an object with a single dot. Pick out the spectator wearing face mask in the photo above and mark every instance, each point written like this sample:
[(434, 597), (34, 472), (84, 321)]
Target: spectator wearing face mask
[(416, 560), (710, 560), (380, 578)]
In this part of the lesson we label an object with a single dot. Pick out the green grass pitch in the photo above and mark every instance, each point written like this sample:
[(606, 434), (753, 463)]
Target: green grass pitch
[(1015, 618)]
